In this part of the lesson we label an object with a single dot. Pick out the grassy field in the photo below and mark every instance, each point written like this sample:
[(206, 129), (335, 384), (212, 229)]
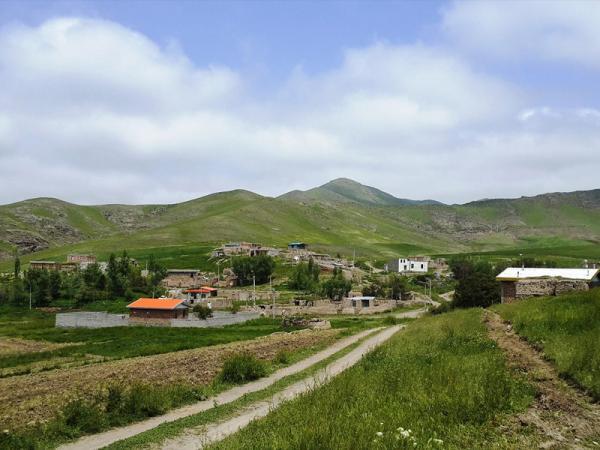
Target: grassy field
[(442, 379), (92, 345), (567, 329)]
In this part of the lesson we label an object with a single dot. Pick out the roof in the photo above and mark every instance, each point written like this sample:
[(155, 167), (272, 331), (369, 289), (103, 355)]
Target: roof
[(519, 273), (42, 262), (182, 271), (362, 297), (157, 303), (202, 290)]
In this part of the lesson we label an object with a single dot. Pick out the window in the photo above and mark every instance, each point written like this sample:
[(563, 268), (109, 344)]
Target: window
[(412, 266), (421, 266)]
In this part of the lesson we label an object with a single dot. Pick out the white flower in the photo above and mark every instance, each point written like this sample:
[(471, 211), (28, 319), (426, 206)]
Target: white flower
[(399, 429), (379, 433), (6, 431), (438, 441), (381, 423), (405, 434)]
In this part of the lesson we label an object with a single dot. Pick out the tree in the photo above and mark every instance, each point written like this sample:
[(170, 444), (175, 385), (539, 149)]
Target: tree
[(156, 273), (38, 283), (305, 277), (114, 280), (477, 285), (337, 287), (397, 286), (246, 267)]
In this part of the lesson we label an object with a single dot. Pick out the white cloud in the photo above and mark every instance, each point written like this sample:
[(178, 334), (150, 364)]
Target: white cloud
[(95, 112), (558, 31)]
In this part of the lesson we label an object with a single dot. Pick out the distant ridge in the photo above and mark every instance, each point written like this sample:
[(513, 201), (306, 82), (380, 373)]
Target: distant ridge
[(346, 190)]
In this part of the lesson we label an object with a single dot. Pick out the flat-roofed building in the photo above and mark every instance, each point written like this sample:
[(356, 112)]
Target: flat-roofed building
[(521, 282)]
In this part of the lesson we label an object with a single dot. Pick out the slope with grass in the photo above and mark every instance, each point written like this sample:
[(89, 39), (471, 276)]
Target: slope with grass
[(566, 329), (342, 216), (442, 382)]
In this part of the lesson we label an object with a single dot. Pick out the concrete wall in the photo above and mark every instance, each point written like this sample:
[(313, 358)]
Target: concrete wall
[(91, 320)]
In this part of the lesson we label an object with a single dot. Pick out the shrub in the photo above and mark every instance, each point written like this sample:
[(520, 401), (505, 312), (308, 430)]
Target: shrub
[(443, 307), (84, 415), (242, 368), (202, 312), (146, 401), (235, 308)]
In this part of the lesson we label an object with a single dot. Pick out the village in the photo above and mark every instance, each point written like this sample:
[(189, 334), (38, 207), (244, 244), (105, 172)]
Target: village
[(194, 298)]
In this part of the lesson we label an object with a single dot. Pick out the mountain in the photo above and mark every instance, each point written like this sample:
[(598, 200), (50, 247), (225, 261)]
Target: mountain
[(343, 190), (340, 216)]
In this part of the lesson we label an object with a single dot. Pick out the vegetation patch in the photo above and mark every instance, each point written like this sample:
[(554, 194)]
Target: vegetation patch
[(567, 329), (242, 368), (440, 383)]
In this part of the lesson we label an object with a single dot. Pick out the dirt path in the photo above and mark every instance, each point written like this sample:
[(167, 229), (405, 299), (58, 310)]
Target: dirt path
[(202, 436), (411, 314), (564, 416), (103, 439)]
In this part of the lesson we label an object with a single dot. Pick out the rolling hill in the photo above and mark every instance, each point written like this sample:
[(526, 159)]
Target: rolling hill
[(340, 216)]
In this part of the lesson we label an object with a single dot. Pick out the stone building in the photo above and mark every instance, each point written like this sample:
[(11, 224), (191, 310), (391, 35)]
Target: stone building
[(182, 278), (517, 282)]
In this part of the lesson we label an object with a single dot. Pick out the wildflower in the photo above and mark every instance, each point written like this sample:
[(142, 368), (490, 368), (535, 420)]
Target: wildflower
[(379, 433), (381, 423), (6, 431), (438, 441), (405, 434), (399, 429)]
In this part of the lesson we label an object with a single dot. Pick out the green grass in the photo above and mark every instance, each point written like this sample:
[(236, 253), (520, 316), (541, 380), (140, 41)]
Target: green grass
[(118, 342), (442, 378), (567, 329)]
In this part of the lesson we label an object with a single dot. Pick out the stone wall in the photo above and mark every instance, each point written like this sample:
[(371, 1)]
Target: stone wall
[(548, 286)]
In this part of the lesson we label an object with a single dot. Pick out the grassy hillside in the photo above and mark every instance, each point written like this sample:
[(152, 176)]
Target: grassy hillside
[(567, 329), (341, 218), (441, 383)]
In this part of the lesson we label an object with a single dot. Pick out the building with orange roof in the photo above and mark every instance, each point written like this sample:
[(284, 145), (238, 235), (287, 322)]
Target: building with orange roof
[(158, 308), (203, 293)]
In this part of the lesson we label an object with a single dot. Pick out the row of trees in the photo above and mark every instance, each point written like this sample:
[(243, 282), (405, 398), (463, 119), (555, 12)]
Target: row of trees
[(120, 280), (305, 277), (249, 269)]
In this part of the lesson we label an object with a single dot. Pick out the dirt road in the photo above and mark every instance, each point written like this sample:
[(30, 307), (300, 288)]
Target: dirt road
[(562, 415), (103, 439), (200, 437)]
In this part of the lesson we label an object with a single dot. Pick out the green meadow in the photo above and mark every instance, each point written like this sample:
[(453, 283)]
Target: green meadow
[(566, 329)]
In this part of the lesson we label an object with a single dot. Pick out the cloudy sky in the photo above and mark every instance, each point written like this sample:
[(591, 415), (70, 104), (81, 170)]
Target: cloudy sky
[(162, 102)]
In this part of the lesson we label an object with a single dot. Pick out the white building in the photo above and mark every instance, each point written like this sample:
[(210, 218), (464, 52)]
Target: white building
[(406, 265)]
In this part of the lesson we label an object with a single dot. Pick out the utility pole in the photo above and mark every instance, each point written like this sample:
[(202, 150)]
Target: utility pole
[(522, 261), (254, 289), (30, 295)]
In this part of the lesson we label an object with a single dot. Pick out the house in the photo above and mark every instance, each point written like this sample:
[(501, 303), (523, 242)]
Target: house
[(240, 248), (297, 246), (362, 302), (182, 278), (521, 282), (158, 308), (44, 265), (417, 264), (203, 293), (83, 261)]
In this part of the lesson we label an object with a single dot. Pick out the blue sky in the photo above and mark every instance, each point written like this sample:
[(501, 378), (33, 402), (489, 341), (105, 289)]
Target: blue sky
[(166, 101)]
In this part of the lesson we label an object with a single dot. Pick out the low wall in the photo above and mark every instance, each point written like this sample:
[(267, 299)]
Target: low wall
[(218, 320), (91, 320)]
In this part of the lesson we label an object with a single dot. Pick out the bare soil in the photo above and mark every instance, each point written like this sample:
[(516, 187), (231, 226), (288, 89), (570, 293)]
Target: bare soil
[(39, 396), (561, 414)]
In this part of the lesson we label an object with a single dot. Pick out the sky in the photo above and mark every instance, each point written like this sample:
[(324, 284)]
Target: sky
[(161, 102)]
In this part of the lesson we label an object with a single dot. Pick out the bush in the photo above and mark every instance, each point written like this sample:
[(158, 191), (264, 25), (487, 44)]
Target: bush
[(147, 401), (443, 307), (202, 312), (235, 308), (84, 415), (242, 368)]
